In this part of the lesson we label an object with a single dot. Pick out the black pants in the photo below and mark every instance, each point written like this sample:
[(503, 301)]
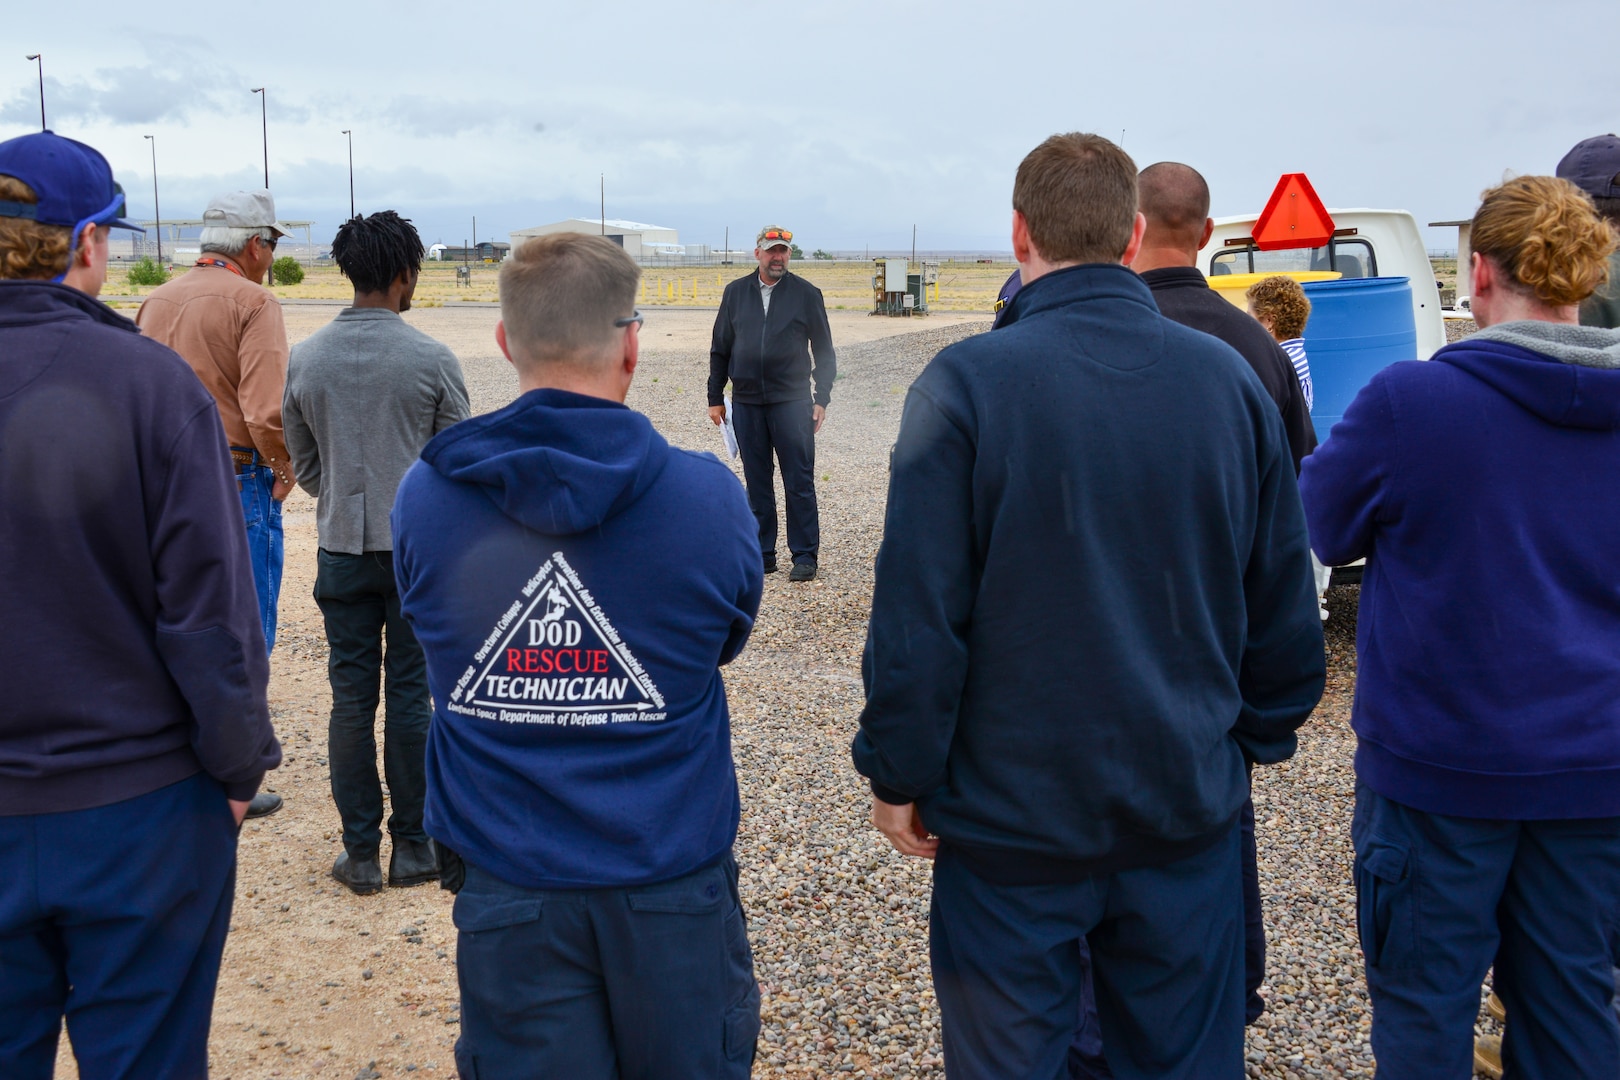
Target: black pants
[(360, 603), (788, 430)]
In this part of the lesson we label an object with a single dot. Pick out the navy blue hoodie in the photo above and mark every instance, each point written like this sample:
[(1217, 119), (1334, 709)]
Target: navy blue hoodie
[(1093, 597), (1481, 488), (576, 583), (131, 650)]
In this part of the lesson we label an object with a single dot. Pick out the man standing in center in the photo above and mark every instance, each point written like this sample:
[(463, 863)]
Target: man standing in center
[(229, 328), (576, 583), (1092, 603), (771, 339), (364, 394)]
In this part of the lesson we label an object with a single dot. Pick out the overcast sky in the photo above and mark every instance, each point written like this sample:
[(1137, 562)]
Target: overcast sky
[(847, 122)]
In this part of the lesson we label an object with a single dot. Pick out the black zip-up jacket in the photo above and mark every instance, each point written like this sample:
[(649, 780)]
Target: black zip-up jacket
[(1185, 297), (130, 643), (768, 359)]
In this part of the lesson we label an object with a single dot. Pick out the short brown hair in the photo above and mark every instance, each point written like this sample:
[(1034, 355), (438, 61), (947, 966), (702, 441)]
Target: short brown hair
[(1547, 236), (1280, 299), (27, 248), (561, 293), (1077, 193)]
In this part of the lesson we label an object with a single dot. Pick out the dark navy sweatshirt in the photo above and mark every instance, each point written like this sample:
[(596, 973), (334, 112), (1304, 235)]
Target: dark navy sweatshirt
[(1093, 597), (576, 584), (130, 644), (1480, 487)]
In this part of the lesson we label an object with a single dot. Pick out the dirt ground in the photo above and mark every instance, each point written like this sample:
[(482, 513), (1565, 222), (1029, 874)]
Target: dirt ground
[(317, 982)]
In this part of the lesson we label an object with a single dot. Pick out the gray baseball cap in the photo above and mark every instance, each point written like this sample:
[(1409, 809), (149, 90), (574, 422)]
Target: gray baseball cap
[(244, 210)]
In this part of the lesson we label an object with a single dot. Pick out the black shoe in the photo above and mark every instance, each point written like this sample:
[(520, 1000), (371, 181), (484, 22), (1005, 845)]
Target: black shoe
[(362, 876), (770, 564), (414, 862), (263, 804), (802, 571)]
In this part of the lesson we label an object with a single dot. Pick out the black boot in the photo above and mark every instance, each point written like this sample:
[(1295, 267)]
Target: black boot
[(414, 862)]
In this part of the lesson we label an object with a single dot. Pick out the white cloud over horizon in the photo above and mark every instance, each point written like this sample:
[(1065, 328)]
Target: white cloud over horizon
[(849, 122)]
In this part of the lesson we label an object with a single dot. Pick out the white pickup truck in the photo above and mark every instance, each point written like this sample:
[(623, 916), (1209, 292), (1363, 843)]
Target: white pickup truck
[(1366, 243)]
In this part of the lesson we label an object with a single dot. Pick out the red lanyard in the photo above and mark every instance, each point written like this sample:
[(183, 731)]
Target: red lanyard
[(221, 262)]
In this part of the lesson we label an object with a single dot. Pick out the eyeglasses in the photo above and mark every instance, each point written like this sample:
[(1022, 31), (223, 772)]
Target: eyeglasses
[(635, 317), (271, 243), (785, 235)]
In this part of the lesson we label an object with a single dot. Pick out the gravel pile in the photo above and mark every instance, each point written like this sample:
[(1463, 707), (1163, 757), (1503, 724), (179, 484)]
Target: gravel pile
[(837, 919)]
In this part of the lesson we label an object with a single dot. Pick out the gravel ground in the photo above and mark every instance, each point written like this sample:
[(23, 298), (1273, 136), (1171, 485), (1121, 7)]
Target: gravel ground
[(319, 983)]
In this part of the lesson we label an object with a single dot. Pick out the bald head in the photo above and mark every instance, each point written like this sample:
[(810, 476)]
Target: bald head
[(1175, 201)]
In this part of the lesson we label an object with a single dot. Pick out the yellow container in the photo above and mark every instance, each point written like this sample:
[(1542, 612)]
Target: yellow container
[(1234, 286)]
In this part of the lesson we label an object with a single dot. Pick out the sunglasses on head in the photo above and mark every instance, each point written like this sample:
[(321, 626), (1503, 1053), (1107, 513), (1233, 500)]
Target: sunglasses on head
[(785, 235), (635, 317)]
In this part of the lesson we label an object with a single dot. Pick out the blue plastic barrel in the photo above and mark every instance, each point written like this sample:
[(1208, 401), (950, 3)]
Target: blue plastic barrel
[(1358, 327)]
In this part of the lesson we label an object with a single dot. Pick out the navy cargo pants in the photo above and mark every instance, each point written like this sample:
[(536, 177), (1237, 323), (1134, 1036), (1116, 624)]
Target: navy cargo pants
[(1166, 947), (115, 917), (788, 431), (1439, 898), (606, 984)]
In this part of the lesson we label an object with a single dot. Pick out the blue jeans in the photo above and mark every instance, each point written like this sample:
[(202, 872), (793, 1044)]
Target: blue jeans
[(1166, 946), (115, 917), (262, 514), (1439, 898), (606, 984)]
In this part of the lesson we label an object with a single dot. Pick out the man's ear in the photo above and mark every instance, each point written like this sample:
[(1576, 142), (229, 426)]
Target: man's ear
[(632, 350), (1209, 230), (500, 339), (1020, 238), (1138, 231)]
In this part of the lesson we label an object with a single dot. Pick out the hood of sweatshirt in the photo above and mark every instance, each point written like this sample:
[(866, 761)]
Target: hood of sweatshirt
[(554, 461), (1567, 375), (46, 312)]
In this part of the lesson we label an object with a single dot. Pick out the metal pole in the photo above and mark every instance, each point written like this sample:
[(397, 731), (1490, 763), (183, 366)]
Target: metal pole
[(350, 134), (39, 61), (475, 235), (264, 121), (913, 246), (157, 214), (603, 178), (725, 256)]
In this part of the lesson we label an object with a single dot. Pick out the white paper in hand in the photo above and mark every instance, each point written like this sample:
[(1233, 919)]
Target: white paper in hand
[(729, 433)]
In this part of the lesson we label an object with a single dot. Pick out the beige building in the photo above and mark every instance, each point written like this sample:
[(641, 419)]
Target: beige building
[(639, 240)]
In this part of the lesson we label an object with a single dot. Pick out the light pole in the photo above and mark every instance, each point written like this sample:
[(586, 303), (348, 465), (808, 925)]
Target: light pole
[(350, 134), (264, 120), (39, 61), (157, 215)]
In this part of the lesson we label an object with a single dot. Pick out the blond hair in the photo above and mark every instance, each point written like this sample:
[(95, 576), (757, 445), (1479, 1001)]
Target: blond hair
[(560, 295), (27, 248), (1546, 236), (1280, 299)]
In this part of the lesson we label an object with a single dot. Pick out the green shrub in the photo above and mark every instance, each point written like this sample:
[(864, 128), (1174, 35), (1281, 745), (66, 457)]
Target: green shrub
[(796, 251), (147, 272), (286, 271), (819, 254)]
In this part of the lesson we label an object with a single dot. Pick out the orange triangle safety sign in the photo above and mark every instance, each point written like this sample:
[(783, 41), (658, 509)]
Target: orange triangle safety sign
[(1293, 218)]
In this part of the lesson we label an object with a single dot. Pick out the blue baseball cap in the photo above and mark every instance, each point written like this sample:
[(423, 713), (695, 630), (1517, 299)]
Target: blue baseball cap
[(73, 181)]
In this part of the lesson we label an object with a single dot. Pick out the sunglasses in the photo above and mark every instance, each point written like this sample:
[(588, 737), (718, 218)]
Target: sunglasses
[(271, 243), (785, 235), (635, 317)]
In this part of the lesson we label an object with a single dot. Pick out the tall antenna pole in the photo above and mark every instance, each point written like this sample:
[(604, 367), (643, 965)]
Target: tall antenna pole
[(350, 134), (603, 177), (157, 215), (264, 121), (39, 61), (914, 245)]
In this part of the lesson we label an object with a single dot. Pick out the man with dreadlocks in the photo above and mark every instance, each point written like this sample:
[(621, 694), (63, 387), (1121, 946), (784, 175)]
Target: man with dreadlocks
[(364, 395)]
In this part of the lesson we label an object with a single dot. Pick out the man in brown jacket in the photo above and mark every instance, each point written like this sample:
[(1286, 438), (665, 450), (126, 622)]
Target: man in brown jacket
[(228, 327)]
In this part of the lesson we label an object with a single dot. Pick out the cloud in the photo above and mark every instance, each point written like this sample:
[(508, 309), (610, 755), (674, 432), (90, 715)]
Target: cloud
[(125, 95)]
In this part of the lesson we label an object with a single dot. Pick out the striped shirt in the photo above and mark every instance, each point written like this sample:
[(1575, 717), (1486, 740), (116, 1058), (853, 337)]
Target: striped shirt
[(1295, 348)]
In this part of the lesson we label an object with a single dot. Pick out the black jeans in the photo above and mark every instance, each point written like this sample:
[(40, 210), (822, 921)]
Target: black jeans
[(360, 603), (788, 430)]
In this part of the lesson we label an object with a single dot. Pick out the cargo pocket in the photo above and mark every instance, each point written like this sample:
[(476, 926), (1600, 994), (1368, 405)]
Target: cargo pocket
[(476, 913), (742, 1028), (1385, 911)]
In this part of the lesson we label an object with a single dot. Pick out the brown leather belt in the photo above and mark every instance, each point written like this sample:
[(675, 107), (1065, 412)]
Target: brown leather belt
[(242, 457)]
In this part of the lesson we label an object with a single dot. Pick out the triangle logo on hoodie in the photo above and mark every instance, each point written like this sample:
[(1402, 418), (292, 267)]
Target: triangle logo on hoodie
[(553, 658)]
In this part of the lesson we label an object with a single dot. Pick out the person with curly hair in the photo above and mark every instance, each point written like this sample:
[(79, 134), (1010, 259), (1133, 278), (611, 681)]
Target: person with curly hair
[(1479, 486), (1281, 306)]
